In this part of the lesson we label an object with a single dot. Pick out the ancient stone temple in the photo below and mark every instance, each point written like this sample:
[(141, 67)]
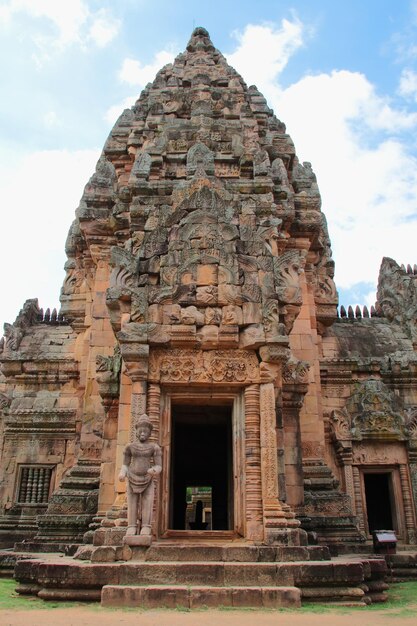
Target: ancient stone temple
[(199, 291)]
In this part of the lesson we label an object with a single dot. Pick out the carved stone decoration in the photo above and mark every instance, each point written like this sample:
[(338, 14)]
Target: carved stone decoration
[(303, 177), (141, 167), (108, 374), (397, 296), (220, 366), (261, 163), (411, 424), (268, 442), (371, 412), (275, 517), (142, 463), (28, 316), (200, 156), (287, 270), (377, 453), (5, 402), (253, 466), (295, 372), (375, 412), (340, 425), (325, 290)]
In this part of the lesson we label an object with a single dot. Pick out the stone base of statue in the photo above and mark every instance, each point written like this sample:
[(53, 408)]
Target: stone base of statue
[(138, 540)]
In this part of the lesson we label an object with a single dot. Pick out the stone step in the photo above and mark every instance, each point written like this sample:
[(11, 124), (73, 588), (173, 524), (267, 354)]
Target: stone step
[(234, 552), (336, 581), (337, 594), (67, 573), (196, 597)]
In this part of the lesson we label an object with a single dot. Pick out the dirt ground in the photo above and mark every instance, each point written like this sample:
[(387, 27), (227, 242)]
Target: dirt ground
[(101, 617)]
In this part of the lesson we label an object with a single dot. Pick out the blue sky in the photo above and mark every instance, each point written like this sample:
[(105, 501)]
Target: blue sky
[(341, 74)]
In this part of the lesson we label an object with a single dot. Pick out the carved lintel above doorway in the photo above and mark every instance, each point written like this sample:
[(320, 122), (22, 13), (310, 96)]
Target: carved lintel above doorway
[(178, 365)]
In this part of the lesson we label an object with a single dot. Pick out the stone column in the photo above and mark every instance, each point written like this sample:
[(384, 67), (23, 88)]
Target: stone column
[(292, 403), (412, 460), (349, 485), (278, 519), (408, 504), (254, 527), (139, 388), (154, 414), (357, 500), (154, 410)]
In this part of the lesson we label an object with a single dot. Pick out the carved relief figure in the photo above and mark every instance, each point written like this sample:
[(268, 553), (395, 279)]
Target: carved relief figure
[(142, 462)]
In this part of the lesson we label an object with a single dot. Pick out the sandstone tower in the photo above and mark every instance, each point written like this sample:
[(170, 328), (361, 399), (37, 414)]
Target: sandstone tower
[(200, 290)]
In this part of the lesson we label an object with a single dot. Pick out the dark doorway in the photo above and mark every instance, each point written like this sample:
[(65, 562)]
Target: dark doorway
[(201, 457), (378, 493)]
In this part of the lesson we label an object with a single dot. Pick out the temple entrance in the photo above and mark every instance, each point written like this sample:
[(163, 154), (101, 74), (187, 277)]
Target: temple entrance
[(379, 501), (201, 483)]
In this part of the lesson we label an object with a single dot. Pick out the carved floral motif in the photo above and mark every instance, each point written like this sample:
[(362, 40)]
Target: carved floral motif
[(185, 366)]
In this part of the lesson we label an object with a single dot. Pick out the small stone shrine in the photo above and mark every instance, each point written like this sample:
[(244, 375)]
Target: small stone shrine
[(199, 291)]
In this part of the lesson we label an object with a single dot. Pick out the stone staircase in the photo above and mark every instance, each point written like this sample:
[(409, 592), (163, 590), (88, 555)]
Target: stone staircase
[(192, 576)]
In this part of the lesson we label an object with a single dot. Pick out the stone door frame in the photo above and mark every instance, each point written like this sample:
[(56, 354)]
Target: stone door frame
[(396, 497), (199, 396)]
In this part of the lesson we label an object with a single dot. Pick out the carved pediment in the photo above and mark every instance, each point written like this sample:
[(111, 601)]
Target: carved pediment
[(371, 412)]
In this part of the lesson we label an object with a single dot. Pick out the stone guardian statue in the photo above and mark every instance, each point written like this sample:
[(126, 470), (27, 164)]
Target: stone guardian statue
[(142, 462)]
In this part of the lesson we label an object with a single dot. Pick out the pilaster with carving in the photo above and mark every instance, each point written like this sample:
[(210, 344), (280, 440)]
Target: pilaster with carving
[(294, 388), (254, 527), (358, 507), (277, 517), (411, 426)]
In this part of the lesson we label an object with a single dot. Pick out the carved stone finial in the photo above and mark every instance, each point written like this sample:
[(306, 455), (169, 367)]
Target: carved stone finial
[(200, 40)]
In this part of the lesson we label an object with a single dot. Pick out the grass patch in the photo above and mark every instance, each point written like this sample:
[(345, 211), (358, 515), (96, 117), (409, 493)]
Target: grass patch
[(9, 599), (402, 602)]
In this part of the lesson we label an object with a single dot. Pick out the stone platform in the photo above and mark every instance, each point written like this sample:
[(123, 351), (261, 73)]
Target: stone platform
[(196, 576)]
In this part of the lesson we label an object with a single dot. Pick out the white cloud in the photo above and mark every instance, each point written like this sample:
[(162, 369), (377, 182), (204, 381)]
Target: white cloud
[(35, 222), (104, 28), (51, 120), (354, 138), (61, 23), (369, 190), (408, 84), (273, 46)]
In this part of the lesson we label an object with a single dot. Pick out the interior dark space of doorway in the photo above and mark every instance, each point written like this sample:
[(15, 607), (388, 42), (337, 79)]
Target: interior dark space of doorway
[(201, 454), (378, 493)]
